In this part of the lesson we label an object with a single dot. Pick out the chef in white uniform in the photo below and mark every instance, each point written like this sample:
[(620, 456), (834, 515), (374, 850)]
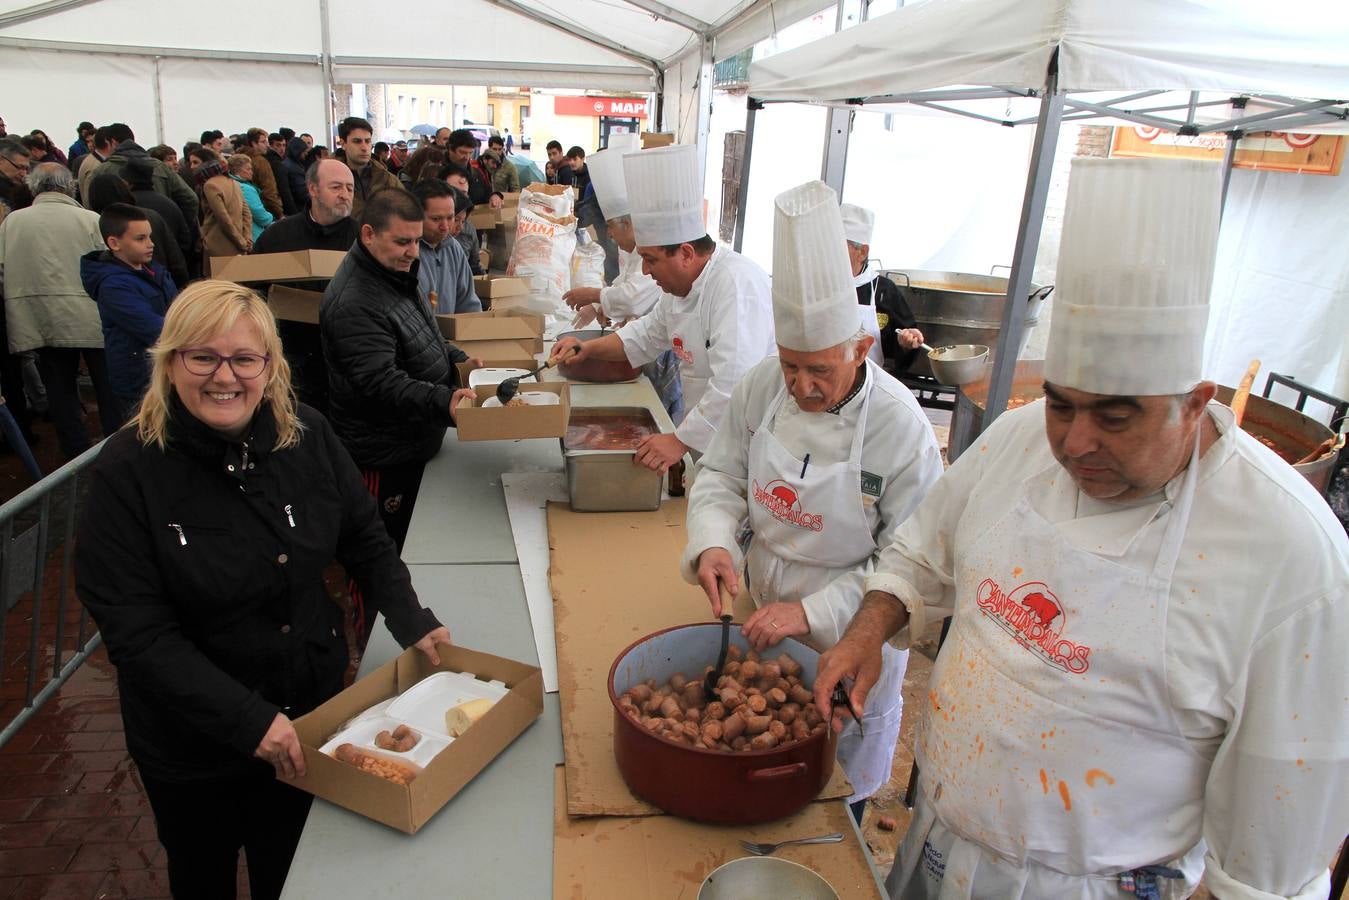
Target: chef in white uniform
[(874, 290), (827, 454), (633, 293), (715, 309), (1145, 677)]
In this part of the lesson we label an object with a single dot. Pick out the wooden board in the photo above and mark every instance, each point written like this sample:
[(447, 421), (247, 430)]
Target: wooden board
[(615, 578), (1273, 151), (665, 858)]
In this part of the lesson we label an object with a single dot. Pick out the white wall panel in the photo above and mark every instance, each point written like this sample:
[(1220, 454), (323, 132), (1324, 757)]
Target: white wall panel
[(57, 91), (235, 96)]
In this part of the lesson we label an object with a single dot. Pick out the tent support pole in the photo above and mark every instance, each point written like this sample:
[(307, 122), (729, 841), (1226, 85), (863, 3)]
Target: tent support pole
[(327, 47), (1229, 158), (159, 105), (742, 191), (1023, 259), (704, 101), (837, 130)]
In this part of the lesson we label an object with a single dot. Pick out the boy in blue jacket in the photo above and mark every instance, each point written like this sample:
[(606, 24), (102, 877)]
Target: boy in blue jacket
[(132, 293)]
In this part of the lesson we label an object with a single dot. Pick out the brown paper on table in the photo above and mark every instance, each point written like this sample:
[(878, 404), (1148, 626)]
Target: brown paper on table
[(615, 578), (667, 858)]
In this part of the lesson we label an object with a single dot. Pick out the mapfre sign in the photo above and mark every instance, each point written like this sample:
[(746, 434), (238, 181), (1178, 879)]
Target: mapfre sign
[(618, 107)]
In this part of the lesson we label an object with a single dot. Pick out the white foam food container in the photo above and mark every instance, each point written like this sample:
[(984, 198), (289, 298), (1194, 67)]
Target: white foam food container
[(423, 706), (491, 375), (363, 730)]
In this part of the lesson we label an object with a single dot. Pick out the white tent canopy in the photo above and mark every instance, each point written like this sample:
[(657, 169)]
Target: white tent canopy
[(1293, 48), (171, 71), (990, 59)]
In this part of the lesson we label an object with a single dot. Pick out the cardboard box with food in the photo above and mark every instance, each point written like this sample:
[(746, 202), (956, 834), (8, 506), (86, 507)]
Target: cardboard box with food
[(398, 744), (542, 412)]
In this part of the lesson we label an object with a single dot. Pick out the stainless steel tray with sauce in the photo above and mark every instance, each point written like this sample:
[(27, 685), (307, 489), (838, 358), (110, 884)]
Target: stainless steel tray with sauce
[(598, 448)]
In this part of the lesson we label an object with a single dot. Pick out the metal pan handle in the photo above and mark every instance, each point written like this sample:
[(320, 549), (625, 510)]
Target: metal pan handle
[(904, 275), (777, 773), (993, 269)]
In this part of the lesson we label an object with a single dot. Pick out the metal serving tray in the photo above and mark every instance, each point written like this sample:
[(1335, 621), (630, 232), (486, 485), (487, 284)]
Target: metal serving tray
[(607, 480)]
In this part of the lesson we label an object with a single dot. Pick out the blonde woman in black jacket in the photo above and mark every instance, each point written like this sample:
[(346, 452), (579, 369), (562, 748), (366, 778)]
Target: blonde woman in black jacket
[(202, 545)]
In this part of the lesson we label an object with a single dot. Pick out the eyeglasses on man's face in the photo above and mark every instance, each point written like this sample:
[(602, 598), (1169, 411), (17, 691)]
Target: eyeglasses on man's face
[(205, 362)]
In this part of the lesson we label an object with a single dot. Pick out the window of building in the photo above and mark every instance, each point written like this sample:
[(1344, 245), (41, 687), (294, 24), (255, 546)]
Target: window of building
[(491, 114)]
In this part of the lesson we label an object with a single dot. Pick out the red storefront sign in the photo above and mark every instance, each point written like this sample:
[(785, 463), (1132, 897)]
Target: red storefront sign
[(618, 107)]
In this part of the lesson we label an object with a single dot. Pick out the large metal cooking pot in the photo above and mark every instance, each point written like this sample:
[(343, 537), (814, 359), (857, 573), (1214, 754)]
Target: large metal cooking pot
[(712, 785), (600, 371), (967, 418), (1288, 433), (1291, 434), (960, 308), (765, 876)]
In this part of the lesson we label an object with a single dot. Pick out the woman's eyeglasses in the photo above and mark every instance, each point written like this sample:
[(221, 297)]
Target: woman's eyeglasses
[(205, 362)]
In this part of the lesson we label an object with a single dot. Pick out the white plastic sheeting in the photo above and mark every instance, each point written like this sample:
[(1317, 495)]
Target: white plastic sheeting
[(1294, 48), (47, 91), (1281, 287), (946, 192)]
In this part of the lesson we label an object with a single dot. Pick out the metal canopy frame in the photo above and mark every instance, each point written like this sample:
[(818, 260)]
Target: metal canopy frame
[(1055, 108)]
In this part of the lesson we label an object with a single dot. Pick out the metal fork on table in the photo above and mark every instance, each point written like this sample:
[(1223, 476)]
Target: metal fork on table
[(769, 849)]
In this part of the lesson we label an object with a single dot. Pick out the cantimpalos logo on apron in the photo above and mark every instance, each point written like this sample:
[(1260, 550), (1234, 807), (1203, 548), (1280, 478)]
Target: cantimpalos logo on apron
[(1035, 618), (677, 345), (783, 504)]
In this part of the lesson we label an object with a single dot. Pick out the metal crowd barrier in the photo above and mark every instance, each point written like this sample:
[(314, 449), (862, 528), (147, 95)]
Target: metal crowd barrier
[(27, 540)]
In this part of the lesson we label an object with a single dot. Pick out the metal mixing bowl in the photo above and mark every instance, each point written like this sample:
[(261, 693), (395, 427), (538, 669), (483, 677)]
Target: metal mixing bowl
[(765, 877), (958, 363)]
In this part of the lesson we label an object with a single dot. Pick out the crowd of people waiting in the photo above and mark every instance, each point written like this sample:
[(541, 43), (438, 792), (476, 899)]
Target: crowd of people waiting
[(256, 191)]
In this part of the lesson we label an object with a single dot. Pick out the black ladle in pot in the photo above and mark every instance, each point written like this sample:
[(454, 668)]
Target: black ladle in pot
[(710, 682)]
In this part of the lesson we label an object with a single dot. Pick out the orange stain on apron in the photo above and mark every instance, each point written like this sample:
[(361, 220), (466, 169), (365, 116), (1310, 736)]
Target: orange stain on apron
[(1067, 799), (1044, 781), (1094, 775)]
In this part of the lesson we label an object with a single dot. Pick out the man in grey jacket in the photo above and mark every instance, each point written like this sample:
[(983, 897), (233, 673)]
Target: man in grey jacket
[(46, 307), (445, 278)]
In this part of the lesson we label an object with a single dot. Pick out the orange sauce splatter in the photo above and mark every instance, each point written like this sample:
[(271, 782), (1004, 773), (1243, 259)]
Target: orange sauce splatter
[(1016, 572), (1300, 761), (1067, 799), (932, 698), (1044, 781), (1093, 775)]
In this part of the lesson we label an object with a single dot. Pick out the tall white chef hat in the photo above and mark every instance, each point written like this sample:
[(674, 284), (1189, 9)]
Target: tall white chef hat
[(606, 173), (1135, 269), (814, 301), (858, 223), (665, 192)]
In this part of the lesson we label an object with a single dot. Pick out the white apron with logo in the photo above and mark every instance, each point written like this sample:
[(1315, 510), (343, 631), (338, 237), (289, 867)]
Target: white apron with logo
[(689, 341), (1049, 746), (868, 313), (805, 529)]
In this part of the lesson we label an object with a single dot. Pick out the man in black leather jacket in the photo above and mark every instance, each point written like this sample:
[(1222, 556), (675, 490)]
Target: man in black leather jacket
[(390, 380)]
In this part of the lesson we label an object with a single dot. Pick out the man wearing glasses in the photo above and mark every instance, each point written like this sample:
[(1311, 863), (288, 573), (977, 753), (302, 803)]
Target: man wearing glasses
[(14, 167)]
